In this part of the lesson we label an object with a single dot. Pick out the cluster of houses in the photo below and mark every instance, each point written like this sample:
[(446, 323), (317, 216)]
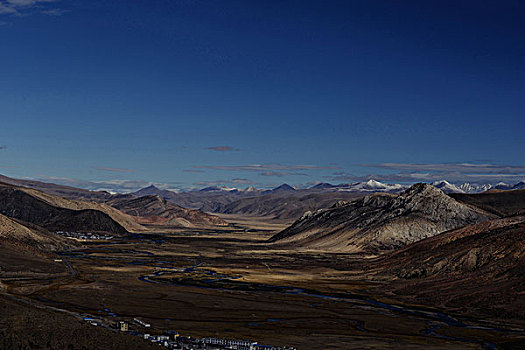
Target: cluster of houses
[(175, 341), (83, 235)]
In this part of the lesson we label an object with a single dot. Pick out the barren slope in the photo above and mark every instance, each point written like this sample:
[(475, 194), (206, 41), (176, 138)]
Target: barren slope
[(284, 206), (381, 221), (479, 266), (14, 233)]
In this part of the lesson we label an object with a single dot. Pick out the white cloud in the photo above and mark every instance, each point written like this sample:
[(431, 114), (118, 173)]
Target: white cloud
[(21, 7), (5, 9), (26, 3), (55, 12)]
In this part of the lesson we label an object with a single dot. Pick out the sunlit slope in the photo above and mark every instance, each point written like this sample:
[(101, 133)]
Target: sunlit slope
[(381, 221)]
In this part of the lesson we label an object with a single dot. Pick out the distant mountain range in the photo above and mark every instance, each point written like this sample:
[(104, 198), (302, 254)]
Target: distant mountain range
[(252, 201), (369, 186), (288, 203)]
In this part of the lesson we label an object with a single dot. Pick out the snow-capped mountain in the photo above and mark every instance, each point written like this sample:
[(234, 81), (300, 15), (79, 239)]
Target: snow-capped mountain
[(371, 186), (474, 188), (502, 186), (447, 187), (506, 187)]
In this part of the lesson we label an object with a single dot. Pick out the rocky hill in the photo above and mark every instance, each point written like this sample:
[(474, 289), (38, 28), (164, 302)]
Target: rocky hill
[(155, 210), (127, 221), (18, 204), (381, 221)]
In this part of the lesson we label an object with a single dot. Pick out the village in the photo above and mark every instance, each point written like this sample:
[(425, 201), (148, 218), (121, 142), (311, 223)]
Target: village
[(173, 340), (84, 235)]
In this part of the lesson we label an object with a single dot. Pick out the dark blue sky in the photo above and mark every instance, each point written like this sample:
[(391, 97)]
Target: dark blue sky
[(117, 94)]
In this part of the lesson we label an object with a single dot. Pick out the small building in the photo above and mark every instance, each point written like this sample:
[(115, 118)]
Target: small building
[(123, 326)]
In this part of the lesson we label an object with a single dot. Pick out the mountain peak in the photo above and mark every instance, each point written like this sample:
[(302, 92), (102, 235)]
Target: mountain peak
[(150, 190), (447, 187), (374, 184), (323, 185), (441, 182), (284, 187), (422, 188), (281, 188), (210, 189)]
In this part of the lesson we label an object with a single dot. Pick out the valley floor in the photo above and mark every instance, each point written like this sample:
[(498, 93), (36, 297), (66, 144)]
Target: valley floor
[(230, 284)]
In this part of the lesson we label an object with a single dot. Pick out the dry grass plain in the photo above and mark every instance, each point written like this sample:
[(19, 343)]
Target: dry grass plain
[(231, 284)]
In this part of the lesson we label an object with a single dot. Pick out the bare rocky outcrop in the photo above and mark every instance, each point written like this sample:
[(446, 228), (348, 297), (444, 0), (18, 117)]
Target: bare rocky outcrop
[(382, 221)]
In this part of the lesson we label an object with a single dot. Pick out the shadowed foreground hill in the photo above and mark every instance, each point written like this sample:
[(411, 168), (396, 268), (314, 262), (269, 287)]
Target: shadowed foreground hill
[(381, 221), (127, 221), (18, 204), (479, 266), (29, 237), (28, 249), (157, 211)]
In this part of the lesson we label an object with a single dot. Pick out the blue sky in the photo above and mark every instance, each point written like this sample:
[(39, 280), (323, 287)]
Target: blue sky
[(120, 94)]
